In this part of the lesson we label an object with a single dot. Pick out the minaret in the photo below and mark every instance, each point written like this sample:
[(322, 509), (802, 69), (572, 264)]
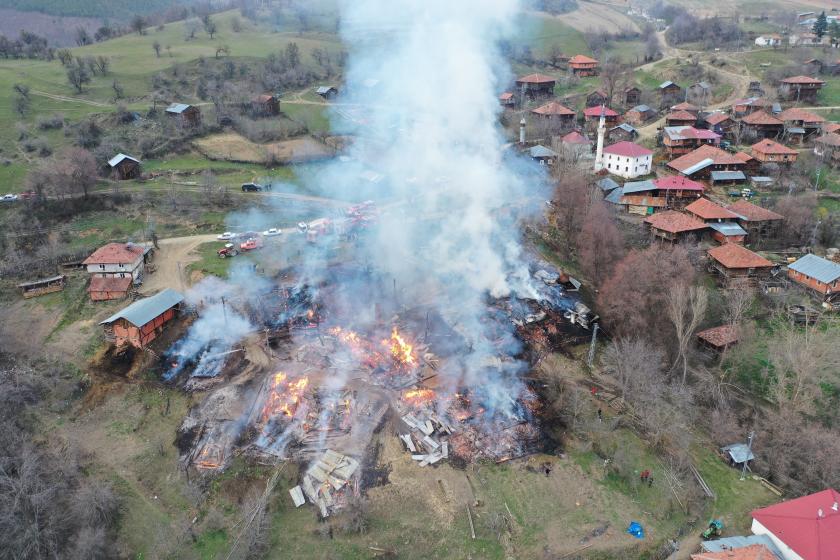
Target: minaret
[(599, 149), (522, 124)]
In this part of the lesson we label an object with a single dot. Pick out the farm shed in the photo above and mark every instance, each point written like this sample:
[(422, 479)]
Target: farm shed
[(186, 115), (816, 273), (142, 321), (734, 262), (124, 167), (105, 288), (44, 286), (719, 338)]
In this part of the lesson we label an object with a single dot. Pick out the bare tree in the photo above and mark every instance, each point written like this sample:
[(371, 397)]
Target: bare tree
[(686, 309), (599, 245), (139, 24), (569, 203), (632, 362), (156, 47)]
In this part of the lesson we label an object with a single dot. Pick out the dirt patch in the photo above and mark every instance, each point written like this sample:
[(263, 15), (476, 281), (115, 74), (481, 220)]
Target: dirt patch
[(171, 260), (234, 147), (24, 328), (598, 17)]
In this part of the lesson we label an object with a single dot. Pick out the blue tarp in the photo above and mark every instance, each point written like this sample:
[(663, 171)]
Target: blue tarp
[(636, 530)]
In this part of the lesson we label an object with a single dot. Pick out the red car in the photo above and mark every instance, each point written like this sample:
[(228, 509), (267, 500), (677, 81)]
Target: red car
[(250, 244)]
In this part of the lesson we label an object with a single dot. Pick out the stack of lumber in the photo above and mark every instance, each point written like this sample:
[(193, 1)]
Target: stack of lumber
[(324, 481), (424, 437)]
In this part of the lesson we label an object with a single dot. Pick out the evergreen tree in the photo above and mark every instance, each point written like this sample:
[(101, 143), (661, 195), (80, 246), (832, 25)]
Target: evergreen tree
[(820, 26)]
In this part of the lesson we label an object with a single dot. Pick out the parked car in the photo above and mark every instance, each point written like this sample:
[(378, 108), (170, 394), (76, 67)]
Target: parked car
[(272, 232), (226, 236), (9, 197), (28, 195), (228, 251), (255, 187), (251, 244)]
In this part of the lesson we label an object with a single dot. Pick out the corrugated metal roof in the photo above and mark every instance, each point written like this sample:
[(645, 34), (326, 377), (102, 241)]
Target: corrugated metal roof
[(728, 228), (796, 130), (614, 197), (638, 186), (626, 127), (728, 543), (177, 108), (666, 84), (539, 151), (117, 159), (728, 176), (324, 89), (142, 311), (818, 268), (702, 164), (641, 108), (607, 184), (739, 452)]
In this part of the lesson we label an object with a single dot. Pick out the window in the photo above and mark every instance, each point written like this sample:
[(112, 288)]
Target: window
[(101, 267)]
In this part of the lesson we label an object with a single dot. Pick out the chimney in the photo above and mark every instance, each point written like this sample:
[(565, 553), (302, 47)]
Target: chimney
[(522, 124)]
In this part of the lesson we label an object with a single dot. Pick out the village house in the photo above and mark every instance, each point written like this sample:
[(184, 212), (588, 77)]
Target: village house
[(813, 65), (771, 40), (677, 191), (769, 151), (43, 286), (185, 115), (627, 160), (669, 93), (680, 118), (592, 115), (827, 148), (700, 92), (719, 338), (830, 128), (759, 223), (327, 92), (679, 140), (718, 122), (686, 106), (537, 85), (555, 115), (760, 124), (265, 105), (750, 552), (674, 226), (724, 225), (742, 107), (583, 66), (806, 528), (632, 96), (818, 274), (507, 100), (700, 163), (576, 143), (639, 115), (121, 260), (800, 89), (543, 155), (122, 167), (597, 98), (106, 288), (622, 132), (800, 124), (142, 321), (639, 197)]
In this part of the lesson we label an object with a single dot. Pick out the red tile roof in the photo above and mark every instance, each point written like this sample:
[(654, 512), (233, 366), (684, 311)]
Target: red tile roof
[(675, 222), (802, 80), (627, 149), (553, 108), (685, 106), (575, 137), (831, 127), (732, 255), (582, 59), (536, 79), (506, 95), (689, 132), (741, 156), (706, 151), (115, 253), (829, 139), (761, 118), (716, 118), (768, 146), (680, 116), (751, 552), (753, 213), (810, 525), (109, 284), (708, 210), (798, 114), (596, 112), (263, 98), (719, 337), (677, 182)]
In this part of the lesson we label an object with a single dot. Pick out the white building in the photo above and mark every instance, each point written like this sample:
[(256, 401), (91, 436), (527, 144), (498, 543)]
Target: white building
[(806, 528), (768, 40), (118, 259), (627, 160)]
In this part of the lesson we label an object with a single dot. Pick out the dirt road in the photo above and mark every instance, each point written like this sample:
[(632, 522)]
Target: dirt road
[(69, 99), (171, 260)]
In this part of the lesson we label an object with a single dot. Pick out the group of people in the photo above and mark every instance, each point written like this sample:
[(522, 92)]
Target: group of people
[(647, 477)]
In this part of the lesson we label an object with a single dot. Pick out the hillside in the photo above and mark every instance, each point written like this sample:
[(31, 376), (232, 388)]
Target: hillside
[(120, 9)]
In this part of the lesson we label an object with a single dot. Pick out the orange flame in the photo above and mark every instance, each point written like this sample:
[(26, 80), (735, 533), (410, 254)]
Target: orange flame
[(418, 396), (284, 396), (401, 351)]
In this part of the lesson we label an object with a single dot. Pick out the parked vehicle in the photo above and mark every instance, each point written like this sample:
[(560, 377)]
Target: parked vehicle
[(9, 197), (251, 244), (229, 250), (28, 195), (255, 187), (272, 232), (226, 236)]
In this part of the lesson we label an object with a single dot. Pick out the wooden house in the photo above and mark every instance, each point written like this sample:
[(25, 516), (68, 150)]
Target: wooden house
[(800, 124), (769, 151), (679, 140), (669, 93), (719, 339), (105, 288), (722, 222), (686, 106), (185, 115), (582, 66), (597, 98), (543, 155), (632, 96), (800, 89), (830, 128), (555, 115), (718, 122), (592, 115), (827, 148), (700, 92), (742, 107), (700, 163), (677, 191), (622, 133), (327, 92), (265, 105), (759, 223), (507, 100), (816, 273), (537, 85), (43, 286), (142, 321), (122, 167), (760, 124), (680, 118), (674, 226), (639, 114), (735, 263)]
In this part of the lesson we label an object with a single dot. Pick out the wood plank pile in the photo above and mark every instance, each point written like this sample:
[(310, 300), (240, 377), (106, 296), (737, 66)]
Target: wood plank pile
[(325, 481), (425, 437)]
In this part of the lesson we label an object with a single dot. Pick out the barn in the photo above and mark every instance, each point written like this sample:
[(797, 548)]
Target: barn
[(142, 321)]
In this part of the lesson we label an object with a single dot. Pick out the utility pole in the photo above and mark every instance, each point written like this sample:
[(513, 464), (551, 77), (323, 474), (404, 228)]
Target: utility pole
[(592, 345), (746, 459)]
